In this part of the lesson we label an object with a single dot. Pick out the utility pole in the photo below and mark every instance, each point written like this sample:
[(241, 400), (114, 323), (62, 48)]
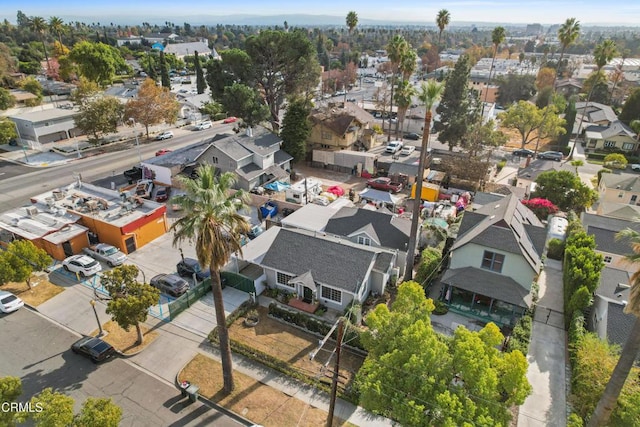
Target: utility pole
[(336, 373)]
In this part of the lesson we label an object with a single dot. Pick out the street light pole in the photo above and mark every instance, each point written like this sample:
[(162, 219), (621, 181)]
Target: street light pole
[(93, 305), (132, 120)]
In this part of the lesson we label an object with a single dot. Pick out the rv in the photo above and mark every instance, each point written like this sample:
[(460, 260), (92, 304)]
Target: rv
[(304, 191)]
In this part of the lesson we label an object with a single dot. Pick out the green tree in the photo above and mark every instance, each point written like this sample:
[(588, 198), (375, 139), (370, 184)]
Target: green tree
[(97, 62), (498, 36), (514, 88), (352, 21), (129, 300), (99, 116), (33, 86), (483, 137), (201, 84), (530, 121), (283, 65), (39, 26), (7, 130), (565, 190), (98, 412), (164, 72), (153, 105), (6, 99), (57, 409), (609, 398), (442, 20), (396, 50), (56, 25), (242, 101), (430, 93), (459, 106), (616, 160), (631, 108), (211, 219), (296, 129), (234, 67), (429, 265), (568, 33), (10, 390), (23, 258)]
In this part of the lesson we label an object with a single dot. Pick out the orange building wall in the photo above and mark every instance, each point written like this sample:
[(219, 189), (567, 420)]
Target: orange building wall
[(57, 252)]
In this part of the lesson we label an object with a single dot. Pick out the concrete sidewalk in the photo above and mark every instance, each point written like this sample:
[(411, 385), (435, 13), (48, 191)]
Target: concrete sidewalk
[(547, 356)]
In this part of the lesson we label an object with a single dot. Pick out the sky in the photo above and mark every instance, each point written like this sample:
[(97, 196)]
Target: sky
[(623, 12)]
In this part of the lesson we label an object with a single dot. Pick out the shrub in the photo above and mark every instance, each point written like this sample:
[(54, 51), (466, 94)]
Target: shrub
[(501, 164), (574, 420), (601, 171), (429, 265), (441, 308), (616, 160), (521, 335), (556, 249), (542, 208)]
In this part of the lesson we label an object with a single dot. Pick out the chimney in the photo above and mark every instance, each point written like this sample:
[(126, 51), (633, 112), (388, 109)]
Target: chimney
[(249, 132)]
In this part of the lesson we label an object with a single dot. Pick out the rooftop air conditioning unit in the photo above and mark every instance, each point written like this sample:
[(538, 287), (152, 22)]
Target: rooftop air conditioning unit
[(57, 195), (92, 205), (32, 210)]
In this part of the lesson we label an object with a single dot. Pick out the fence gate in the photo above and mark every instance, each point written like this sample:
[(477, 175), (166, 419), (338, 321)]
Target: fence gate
[(239, 282), (549, 316)]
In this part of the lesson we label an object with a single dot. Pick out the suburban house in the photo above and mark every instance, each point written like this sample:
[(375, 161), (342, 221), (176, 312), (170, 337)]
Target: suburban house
[(526, 176), (607, 317), (604, 230), (568, 87), (45, 126), (131, 41), (623, 189), (616, 136), (191, 104), (180, 50), (317, 268), (255, 157), (159, 37), (340, 128), (494, 261), (64, 221)]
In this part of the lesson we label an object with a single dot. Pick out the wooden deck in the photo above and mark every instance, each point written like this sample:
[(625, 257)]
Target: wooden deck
[(303, 306)]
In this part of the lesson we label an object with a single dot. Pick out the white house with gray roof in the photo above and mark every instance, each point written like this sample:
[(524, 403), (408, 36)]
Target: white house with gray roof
[(494, 260), (604, 230), (46, 125)]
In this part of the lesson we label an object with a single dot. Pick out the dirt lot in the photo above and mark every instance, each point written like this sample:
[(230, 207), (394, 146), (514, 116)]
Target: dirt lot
[(41, 290)]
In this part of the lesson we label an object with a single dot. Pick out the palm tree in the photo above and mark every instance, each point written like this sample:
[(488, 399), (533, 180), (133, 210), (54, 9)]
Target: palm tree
[(608, 400), (56, 25), (396, 48), (211, 218), (442, 20), (39, 26), (352, 21), (407, 67), (404, 97), (567, 34), (576, 164), (497, 37), (429, 95), (625, 54)]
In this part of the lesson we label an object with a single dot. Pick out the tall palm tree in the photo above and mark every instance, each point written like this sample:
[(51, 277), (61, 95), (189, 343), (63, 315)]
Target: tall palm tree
[(211, 218), (568, 33), (429, 95), (352, 21), (56, 25), (624, 54), (498, 36), (442, 20), (396, 48), (39, 26), (404, 97), (608, 400), (406, 67)]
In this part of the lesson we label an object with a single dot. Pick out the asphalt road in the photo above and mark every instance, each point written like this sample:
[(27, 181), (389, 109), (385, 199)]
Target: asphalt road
[(16, 189), (9, 170), (38, 352)]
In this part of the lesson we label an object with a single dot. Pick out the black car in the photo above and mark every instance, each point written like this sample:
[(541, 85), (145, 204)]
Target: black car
[(170, 284), (412, 136), (523, 152), (551, 155), (188, 266), (94, 348), (133, 174)]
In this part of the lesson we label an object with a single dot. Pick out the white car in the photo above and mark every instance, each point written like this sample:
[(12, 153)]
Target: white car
[(164, 135), (407, 150), (393, 147), (84, 265), (9, 302), (635, 167), (203, 125)]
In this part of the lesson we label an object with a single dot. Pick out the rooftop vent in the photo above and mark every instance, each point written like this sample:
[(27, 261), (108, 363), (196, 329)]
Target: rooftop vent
[(32, 210)]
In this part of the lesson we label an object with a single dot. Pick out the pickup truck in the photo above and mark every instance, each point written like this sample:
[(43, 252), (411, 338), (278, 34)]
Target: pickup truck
[(384, 184), (107, 253), (133, 174)]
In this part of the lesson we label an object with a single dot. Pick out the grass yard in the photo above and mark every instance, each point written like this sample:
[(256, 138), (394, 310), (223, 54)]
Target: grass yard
[(260, 403), (126, 341), (41, 290), (293, 346)]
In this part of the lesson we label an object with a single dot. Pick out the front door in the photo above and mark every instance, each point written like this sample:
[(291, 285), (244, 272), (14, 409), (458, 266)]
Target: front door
[(67, 248), (130, 243), (307, 295)]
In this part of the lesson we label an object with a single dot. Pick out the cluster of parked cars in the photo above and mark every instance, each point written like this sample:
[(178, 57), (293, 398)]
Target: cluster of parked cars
[(546, 155)]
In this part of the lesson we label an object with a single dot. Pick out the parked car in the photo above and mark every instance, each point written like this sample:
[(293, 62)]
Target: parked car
[(351, 100), (393, 147), (384, 184), (203, 125), (164, 135), (340, 93), (413, 136), (551, 155), (107, 253), (188, 266), (230, 120), (170, 284), (407, 150), (523, 152), (162, 194), (9, 302), (162, 152), (133, 174), (635, 167), (255, 231), (94, 348), (82, 264)]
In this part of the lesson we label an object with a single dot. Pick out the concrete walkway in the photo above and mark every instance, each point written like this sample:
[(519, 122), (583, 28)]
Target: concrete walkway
[(547, 356)]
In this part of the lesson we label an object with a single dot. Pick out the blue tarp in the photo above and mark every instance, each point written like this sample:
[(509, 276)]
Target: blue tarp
[(277, 186)]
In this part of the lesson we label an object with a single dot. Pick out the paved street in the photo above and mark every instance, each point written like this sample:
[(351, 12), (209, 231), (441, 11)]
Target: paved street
[(39, 353)]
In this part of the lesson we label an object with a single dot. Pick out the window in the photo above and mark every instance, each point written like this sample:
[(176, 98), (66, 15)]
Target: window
[(214, 160), (621, 194), (634, 198), (492, 261), (332, 294), (628, 146), (283, 279), (364, 240), (609, 144), (607, 259)]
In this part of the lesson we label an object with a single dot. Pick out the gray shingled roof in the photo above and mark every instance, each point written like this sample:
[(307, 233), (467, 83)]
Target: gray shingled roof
[(250, 171), (481, 198), (489, 284), (263, 142), (619, 324), (330, 263), (231, 148), (625, 181), (604, 230), (619, 210), (281, 156), (536, 167), (390, 231), (597, 112), (610, 287), (408, 169), (507, 225)]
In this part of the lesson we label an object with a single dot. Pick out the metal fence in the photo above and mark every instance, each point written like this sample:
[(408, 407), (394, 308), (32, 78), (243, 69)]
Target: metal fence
[(185, 301)]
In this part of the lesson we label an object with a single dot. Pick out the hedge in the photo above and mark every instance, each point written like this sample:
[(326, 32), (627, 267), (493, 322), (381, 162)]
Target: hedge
[(521, 334)]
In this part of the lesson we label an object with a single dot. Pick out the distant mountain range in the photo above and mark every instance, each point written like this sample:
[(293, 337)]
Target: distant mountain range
[(292, 20)]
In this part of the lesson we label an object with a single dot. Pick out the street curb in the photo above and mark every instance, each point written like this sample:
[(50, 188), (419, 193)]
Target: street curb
[(213, 405), (55, 322)]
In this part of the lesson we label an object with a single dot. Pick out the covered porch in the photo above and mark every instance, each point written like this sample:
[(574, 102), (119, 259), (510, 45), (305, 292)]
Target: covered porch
[(306, 298), (486, 296)]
